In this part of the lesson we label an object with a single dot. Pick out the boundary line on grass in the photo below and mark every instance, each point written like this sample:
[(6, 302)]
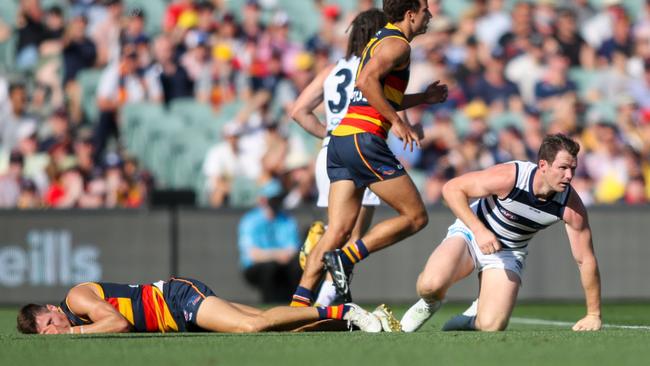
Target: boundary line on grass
[(534, 321)]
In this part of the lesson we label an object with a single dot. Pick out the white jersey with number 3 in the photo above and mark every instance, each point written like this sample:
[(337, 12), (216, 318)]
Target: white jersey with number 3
[(337, 90)]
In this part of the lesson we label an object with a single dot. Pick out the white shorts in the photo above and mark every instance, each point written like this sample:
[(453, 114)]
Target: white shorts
[(513, 260), (323, 182)]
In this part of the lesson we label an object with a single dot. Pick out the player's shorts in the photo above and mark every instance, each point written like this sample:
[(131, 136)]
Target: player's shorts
[(184, 297), (513, 260), (362, 158), (323, 181)]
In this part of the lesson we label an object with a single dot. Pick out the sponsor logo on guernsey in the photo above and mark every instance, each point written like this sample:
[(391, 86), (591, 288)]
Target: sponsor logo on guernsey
[(195, 300), (386, 170), (508, 214)]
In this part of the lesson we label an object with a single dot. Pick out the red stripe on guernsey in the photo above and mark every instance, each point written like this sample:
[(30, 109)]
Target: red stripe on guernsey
[(396, 83), (366, 126), (113, 302), (367, 111), (149, 307)]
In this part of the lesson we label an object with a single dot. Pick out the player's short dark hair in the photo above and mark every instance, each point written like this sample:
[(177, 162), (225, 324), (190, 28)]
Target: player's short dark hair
[(395, 9), (362, 28), (26, 320), (552, 144)]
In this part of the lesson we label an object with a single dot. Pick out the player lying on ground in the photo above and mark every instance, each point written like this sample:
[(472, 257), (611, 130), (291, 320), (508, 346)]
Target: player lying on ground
[(177, 305), (515, 201)]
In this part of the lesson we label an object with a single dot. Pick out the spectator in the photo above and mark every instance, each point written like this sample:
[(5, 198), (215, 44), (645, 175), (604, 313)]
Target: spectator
[(106, 36), (29, 197), (14, 116), (554, 86), (118, 85), (268, 246), (55, 131), (78, 51), (493, 88), (572, 45), (167, 78), (640, 88), (31, 33), (225, 162), (10, 181)]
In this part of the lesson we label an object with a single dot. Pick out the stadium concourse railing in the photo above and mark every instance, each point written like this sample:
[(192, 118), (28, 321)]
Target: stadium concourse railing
[(43, 253)]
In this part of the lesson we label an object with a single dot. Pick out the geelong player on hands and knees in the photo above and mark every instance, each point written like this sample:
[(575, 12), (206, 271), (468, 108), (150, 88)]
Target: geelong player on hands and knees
[(515, 201)]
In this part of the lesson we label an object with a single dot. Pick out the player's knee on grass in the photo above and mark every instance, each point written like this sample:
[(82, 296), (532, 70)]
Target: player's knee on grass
[(491, 323)]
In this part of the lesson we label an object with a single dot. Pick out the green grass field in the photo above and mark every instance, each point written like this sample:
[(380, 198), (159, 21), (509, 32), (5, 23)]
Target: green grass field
[(538, 335)]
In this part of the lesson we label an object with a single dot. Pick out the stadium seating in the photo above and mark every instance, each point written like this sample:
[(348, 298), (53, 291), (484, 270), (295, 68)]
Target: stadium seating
[(586, 80), (243, 193), (88, 81), (8, 52), (8, 11)]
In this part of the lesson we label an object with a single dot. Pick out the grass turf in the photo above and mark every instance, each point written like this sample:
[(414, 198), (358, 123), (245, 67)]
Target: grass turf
[(520, 344)]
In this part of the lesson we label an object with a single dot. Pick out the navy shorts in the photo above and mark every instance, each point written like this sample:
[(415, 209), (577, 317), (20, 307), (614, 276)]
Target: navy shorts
[(363, 158), (184, 296)]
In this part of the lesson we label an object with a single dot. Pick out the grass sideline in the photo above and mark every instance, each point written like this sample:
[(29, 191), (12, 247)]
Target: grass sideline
[(521, 344)]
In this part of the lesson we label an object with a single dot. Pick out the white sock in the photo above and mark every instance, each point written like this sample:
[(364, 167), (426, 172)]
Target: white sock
[(472, 310), (327, 294)]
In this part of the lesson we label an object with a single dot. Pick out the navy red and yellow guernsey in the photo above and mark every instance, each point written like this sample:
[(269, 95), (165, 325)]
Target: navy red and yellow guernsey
[(144, 306), (361, 116)]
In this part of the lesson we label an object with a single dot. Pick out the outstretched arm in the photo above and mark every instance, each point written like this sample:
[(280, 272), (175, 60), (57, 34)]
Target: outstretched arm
[(303, 110), (579, 233), (435, 93), (498, 180)]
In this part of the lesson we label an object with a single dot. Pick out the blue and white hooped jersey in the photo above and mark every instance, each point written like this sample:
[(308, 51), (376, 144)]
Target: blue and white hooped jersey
[(337, 91), (518, 217)]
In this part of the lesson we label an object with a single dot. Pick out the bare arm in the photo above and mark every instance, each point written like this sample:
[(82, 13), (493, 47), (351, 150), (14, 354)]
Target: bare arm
[(579, 233), (435, 93), (84, 301), (388, 55), (309, 99), (497, 180)]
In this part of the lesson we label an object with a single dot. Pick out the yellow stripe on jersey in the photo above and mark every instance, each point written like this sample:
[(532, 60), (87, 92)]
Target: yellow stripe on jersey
[(99, 288), (393, 95), (126, 308), (345, 130), (166, 321), (364, 117), (372, 49)]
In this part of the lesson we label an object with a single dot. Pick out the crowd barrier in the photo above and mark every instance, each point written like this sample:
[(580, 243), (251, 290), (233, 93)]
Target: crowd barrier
[(44, 253)]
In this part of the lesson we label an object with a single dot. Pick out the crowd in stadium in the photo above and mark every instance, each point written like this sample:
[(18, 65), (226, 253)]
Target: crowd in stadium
[(516, 70)]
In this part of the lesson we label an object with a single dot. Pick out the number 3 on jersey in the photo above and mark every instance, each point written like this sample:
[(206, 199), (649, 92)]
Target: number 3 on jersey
[(342, 92)]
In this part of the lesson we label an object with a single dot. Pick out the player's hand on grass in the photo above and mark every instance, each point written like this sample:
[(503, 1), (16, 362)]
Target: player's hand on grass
[(487, 241), (406, 133), (436, 93), (588, 323)]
